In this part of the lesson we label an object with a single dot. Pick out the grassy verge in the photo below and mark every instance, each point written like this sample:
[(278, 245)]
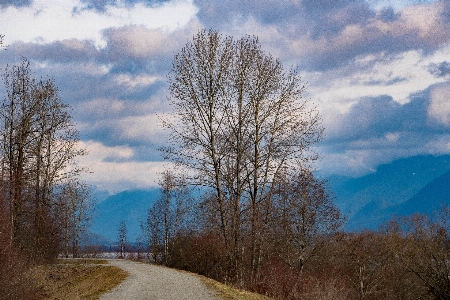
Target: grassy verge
[(228, 293), (74, 279)]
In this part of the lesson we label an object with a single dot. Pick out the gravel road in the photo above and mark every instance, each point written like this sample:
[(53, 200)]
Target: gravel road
[(156, 283)]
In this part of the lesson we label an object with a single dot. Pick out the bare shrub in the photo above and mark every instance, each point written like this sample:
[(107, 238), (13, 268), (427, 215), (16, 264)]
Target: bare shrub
[(202, 254), (278, 280), (13, 267)]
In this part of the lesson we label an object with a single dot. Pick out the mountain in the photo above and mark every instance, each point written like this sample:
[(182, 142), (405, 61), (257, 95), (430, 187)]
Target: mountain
[(405, 186), (92, 239), (370, 200), (429, 199), (99, 195), (129, 206)]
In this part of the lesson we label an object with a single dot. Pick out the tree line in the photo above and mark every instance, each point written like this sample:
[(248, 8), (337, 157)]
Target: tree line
[(242, 204), (44, 204)]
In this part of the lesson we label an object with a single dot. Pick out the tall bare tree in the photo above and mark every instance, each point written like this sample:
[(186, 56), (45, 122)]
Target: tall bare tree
[(76, 208), (240, 119), (38, 151), (306, 216), (168, 214), (122, 238)]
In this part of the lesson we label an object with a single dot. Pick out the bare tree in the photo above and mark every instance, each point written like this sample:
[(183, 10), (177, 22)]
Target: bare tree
[(424, 250), (76, 208), (240, 119), (306, 216), (2, 45), (168, 214), (153, 230), (122, 235), (38, 151)]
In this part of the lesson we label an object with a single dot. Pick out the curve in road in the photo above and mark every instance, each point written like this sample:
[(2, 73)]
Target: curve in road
[(147, 281)]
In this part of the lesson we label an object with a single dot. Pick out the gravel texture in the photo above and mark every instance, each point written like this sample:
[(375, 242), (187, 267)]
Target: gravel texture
[(156, 283)]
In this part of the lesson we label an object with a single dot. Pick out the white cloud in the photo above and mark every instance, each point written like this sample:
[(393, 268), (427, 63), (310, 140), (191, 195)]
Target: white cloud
[(439, 108), (132, 82), (145, 128), (392, 136), (48, 21), (99, 152), (399, 76), (116, 176), (350, 163), (101, 108), (440, 145), (379, 4)]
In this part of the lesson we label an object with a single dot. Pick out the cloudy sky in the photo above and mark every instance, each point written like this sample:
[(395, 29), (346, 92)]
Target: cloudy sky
[(378, 70)]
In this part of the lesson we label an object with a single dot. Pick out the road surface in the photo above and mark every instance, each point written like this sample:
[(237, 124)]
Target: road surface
[(152, 282)]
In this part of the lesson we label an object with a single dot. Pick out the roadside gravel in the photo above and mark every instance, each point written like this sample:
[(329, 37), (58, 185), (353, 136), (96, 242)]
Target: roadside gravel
[(156, 283)]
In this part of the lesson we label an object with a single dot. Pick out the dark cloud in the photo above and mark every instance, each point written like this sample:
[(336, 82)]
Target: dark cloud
[(328, 34), (380, 122), (378, 130), (81, 87), (370, 117), (328, 18), (136, 49), (440, 70), (217, 14), (387, 14), (59, 51), (100, 5), (343, 48), (114, 132), (16, 3)]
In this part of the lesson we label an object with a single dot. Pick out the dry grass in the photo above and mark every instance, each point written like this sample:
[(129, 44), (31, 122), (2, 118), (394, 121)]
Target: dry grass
[(71, 279), (226, 292)]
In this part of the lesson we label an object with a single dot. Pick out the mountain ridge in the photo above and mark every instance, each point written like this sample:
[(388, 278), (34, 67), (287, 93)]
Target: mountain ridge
[(405, 186), (372, 199), (130, 206)]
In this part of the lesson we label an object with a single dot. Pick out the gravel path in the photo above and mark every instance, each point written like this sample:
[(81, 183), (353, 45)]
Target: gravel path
[(156, 283)]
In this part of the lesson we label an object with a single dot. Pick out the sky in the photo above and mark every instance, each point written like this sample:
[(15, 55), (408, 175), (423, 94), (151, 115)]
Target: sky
[(378, 72)]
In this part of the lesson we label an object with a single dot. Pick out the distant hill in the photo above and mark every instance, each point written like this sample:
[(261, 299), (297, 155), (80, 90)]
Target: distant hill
[(99, 195), (129, 206), (405, 186), (429, 199), (372, 199)]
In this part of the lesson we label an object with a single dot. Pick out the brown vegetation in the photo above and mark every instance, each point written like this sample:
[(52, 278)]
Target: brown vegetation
[(13, 265), (264, 222), (408, 259), (39, 215), (75, 279)]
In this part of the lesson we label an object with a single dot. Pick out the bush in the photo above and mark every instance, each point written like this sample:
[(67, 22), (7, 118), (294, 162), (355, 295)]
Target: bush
[(202, 254), (13, 268)]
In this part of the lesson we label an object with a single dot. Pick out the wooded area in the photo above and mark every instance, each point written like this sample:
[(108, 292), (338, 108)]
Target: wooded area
[(242, 137), (44, 204)]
